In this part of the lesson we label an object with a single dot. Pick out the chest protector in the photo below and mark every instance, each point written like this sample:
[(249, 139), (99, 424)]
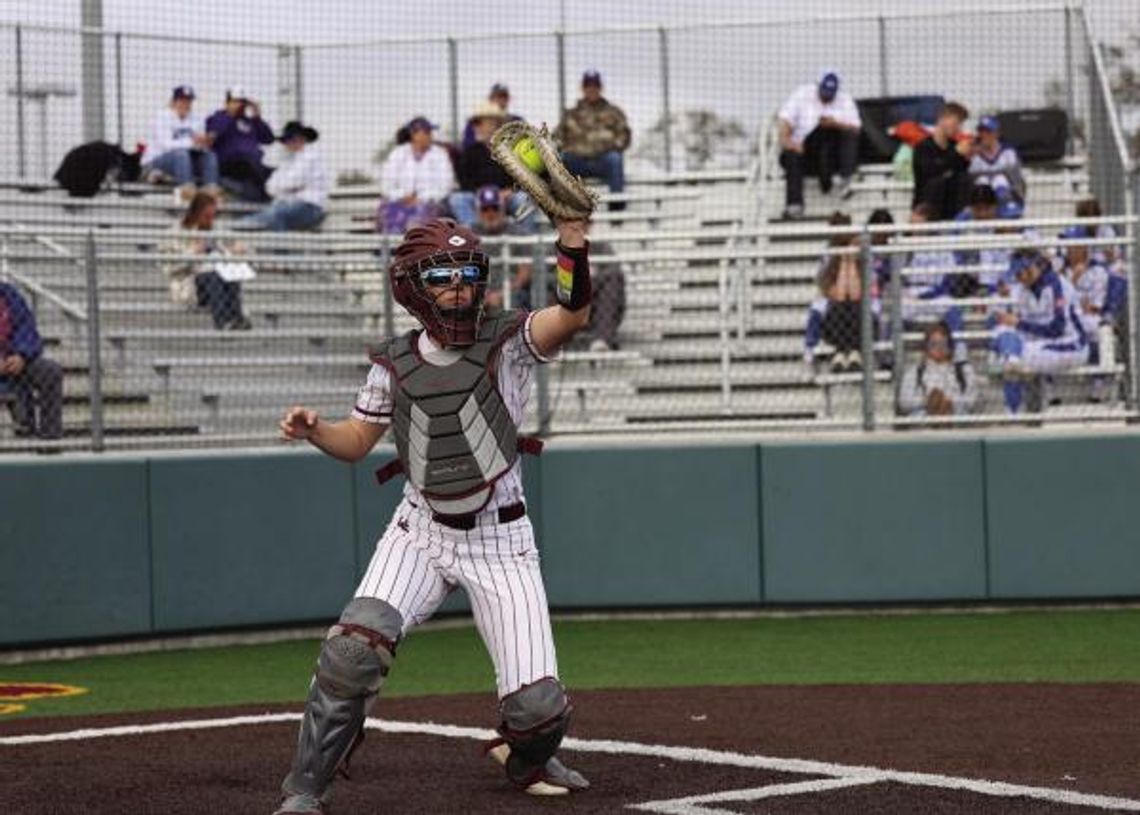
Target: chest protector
[(454, 435)]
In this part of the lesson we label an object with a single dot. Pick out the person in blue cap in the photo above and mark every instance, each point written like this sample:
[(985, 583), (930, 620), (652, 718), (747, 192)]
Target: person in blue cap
[(818, 125), (996, 163)]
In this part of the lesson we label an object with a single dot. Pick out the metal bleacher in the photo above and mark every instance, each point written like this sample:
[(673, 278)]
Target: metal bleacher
[(712, 337)]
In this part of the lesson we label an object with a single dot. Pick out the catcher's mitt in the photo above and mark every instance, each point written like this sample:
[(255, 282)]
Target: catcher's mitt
[(555, 191)]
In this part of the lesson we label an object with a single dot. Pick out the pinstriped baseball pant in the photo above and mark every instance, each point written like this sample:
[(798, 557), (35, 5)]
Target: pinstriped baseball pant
[(418, 562)]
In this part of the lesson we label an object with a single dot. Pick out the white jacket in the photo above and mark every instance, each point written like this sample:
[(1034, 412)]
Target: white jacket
[(430, 177), (302, 176), (171, 133)]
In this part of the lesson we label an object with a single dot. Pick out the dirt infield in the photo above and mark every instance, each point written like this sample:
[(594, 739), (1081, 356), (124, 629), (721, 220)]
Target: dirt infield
[(866, 749)]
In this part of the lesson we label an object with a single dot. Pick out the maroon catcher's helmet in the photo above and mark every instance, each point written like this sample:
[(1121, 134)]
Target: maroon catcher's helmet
[(439, 243)]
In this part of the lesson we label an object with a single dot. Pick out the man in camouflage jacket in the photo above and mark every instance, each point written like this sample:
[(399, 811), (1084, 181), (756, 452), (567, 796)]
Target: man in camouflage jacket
[(593, 135)]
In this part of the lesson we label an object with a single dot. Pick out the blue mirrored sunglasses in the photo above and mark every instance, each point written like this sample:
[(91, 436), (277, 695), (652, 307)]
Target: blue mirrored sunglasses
[(450, 275)]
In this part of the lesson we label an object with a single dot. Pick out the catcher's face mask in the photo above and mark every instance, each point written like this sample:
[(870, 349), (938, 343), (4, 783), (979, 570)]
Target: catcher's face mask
[(452, 320)]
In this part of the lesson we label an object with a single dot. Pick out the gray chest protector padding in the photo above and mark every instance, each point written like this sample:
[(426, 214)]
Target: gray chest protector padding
[(454, 434)]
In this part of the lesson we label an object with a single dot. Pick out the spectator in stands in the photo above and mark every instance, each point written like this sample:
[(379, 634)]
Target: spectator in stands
[(478, 170), (983, 206), (31, 383), (594, 134), (997, 164), (1110, 256), (819, 130), (179, 148), (929, 276), (500, 96), (200, 284), (883, 266), (835, 317), (941, 164), (415, 180), (939, 385), (238, 133), (1090, 279), (1043, 334), (299, 187), (492, 219), (607, 308)]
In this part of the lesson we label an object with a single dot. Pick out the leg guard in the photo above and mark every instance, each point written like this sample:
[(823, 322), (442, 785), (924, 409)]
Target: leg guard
[(353, 662), (535, 719)]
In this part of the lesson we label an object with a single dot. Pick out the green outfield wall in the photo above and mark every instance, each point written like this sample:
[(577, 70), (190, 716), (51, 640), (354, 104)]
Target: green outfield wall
[(103, 547)]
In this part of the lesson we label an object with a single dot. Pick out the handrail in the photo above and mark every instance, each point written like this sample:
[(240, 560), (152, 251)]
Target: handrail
[(69, 309), (1098, 68)]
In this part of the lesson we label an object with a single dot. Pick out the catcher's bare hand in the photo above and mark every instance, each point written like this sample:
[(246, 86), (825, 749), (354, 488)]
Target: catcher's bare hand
[(572, 234), (299, 424)]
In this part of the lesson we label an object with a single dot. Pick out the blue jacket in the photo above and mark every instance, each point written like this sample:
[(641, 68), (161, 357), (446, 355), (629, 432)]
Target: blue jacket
[(18, 334)]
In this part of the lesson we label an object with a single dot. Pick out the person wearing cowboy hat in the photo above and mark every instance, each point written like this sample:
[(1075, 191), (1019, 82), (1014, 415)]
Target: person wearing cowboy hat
[(478, 169), (299, 187)]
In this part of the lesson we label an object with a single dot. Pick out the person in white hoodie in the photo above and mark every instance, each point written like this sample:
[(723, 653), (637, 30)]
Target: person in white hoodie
[(415, 181), (179, 147), (299, 187)]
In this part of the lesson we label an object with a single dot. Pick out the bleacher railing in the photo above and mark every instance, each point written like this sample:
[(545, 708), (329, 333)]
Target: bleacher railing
[(713, 337)]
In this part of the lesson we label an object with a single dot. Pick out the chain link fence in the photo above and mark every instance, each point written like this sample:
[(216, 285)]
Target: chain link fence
[(709, 313)]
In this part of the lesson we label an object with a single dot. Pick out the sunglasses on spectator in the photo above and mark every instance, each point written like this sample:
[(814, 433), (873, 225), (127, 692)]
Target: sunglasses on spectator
[(450, 275)]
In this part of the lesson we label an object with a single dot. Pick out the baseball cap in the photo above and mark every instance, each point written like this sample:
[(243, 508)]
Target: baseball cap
[(182, 92), (421, 123), (499, 89), (488, 197), (236, 92), (828, 85), (592, 77), (989, 123), (1074, 232), (1010, 210)]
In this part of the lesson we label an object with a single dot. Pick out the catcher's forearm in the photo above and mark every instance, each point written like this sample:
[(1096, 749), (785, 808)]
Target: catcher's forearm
[(572, 288), (343, 440)]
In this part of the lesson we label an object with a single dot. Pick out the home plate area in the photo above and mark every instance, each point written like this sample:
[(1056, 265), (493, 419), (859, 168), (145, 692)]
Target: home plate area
[(710, 751)]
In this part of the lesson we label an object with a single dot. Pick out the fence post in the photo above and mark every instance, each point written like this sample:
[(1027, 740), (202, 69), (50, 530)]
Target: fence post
[(21, 140), (1070, 79), (666, 110), (453, 86), (884, 85), (867, 331), (1134, 299), (560, 54), (538, 298), (119, 89), (298, 84), (92, 68), (94, 355)]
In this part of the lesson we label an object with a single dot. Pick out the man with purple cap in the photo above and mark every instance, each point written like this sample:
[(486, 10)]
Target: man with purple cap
[(819, 125), (416, 179), (492, 220), (179, 147), (239, 132), (593, 135), (996, 163)]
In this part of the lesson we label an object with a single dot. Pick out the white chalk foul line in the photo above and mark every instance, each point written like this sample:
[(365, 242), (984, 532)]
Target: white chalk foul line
[(695, 804), (698, 755)]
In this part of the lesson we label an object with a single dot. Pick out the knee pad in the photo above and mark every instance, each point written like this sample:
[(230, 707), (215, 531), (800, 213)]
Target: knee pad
[(359, 649), (535, 719)]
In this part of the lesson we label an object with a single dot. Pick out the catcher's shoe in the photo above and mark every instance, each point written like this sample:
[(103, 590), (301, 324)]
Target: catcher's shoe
[(553, 779), (301, 805)]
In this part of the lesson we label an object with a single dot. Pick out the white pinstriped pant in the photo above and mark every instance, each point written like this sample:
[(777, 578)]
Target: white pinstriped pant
[(418, 562)]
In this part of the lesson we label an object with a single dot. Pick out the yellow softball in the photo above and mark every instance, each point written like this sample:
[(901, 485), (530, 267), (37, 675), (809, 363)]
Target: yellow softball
[(526, 150)]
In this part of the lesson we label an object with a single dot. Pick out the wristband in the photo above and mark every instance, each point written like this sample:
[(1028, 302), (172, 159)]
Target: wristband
[(572, 277)]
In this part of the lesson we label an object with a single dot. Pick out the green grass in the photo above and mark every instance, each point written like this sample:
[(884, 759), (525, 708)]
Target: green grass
[(1054, 646)]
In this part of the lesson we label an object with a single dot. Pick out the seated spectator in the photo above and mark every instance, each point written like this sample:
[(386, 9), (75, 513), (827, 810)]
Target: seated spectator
[(500, 96), (491, 219), (199, 284), (821, 122), (939, 385), (478, 169), (883, 266), (997, 164), (935, 287), (607, 308), (299, 187), (594, 134), (941, 164), (1090, 279), (179, 148), (1110, 256), (983, 206), (33, 382), (239, 132), (1043, 334), (415, 181), (835, 317)]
